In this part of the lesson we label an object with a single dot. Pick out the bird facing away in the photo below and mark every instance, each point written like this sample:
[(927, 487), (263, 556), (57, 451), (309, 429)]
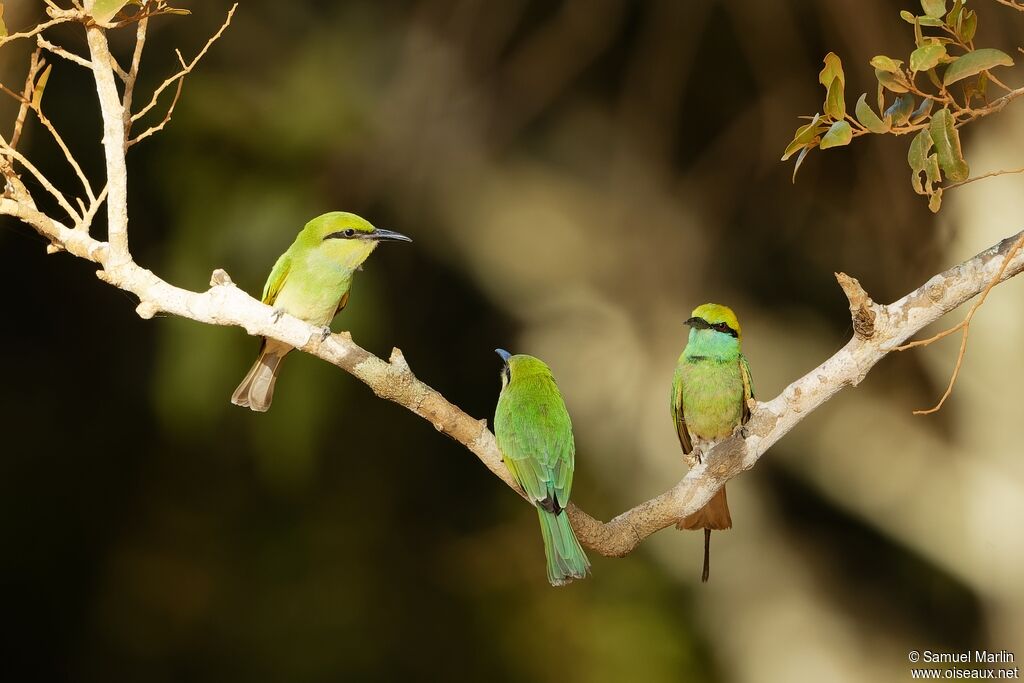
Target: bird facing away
[(310, 281), (534, 435), (710, 390)]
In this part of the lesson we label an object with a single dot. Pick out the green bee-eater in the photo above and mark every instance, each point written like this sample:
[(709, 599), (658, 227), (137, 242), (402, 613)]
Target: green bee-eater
[(710, 391), (310, 281), (534, 435)]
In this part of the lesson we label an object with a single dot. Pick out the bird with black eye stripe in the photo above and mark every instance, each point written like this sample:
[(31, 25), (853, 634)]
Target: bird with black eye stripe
[(311, 281), (711, 388)]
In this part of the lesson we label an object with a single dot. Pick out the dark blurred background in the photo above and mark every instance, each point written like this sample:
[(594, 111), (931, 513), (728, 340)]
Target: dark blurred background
[(577, 176)]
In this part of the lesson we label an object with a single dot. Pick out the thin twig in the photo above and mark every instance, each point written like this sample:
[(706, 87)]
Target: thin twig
[(90, 214), (35, 107), (186, 69), (34, 66), (61, 52), (983, 176), (47, 185), (133, 72), (36, 30)]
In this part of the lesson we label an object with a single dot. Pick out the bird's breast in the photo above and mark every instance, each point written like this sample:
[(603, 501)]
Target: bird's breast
[(712, 397)]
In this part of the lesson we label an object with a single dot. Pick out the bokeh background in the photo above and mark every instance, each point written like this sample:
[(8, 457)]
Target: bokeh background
[(577, 175)]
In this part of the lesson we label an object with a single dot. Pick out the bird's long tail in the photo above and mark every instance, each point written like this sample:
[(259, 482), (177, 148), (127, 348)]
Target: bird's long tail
[(566, 559), (714, 515), (257, 389)]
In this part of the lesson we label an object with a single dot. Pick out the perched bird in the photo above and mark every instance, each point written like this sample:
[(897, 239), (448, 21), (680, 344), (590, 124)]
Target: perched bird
[(710, 390), (310, 281), (534, 435)]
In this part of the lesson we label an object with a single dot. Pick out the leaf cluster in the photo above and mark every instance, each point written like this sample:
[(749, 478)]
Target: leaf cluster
[(944, 56)]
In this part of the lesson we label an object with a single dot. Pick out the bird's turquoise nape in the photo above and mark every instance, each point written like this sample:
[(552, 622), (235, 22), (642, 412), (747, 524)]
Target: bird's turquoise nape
[(534, 434), (310, 281), (711, 388)]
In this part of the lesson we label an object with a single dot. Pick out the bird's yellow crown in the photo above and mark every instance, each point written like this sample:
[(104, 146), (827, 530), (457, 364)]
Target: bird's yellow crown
[(717, 313)]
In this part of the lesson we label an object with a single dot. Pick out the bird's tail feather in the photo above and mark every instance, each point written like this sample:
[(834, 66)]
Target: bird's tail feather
[(714, 515), (257, 389), (565, 556)]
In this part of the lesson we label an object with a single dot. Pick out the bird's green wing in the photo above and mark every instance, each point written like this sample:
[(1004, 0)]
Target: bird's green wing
[(748, 386), (534, 436), (678, 419), (276, 280)]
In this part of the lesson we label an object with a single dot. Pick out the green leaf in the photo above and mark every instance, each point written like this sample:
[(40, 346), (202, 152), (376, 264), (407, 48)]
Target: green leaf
[(922, 112), (927, 57), (835, 103), (953, 18), (890, 81), (833, 69), (975, 62), (886, 64), (868, 118), (935, 201), (37, 92), (899, 111), (930, 21), (931, 169), (838, 135), (3, 26), (934, 8), (947, 145), (104, 10), (805, 135), (968, 25), (917, 157), (907, 16)]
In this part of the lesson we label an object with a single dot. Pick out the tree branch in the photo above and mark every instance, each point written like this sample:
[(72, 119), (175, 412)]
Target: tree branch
[(879, 330)]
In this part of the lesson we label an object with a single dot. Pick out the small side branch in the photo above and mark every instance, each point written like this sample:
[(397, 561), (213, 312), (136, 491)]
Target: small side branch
[(177, 79)]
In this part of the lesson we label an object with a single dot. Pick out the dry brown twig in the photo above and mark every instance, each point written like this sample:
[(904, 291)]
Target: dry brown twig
[(879, 329), (178, 78)]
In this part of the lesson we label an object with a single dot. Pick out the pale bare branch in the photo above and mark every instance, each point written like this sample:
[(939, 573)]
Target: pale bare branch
[(36, 30), (133, 72), (964, 327), (7, 150), (61, 52), (114, 144)]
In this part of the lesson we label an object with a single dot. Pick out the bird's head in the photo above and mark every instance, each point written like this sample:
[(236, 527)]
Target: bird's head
[(519, 366), (718, 319), (346, 237)]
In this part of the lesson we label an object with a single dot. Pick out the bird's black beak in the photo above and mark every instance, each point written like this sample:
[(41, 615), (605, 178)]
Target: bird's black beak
[(381, 234), (505, 355), (698, 323)]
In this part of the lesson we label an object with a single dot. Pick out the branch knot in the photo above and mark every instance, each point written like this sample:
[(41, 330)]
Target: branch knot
[(861, 306)]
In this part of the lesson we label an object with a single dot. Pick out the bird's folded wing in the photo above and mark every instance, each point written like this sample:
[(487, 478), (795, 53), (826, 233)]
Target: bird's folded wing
[(276, 280), (676, 406), (748, 386)]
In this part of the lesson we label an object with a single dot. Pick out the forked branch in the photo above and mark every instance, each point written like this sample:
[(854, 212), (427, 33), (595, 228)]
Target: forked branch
[(879, 330)]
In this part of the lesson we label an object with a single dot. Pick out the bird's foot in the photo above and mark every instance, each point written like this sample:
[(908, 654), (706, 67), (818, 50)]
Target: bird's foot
[(325, 332), (744, 432), (276, 316), (696, 456)]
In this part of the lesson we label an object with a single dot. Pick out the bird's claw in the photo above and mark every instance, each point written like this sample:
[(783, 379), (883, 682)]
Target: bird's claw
[(325, 332), (276, 316), (744, 432)]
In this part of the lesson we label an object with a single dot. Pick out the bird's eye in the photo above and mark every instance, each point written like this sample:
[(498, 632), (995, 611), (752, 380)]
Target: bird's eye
[(350, 232)]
